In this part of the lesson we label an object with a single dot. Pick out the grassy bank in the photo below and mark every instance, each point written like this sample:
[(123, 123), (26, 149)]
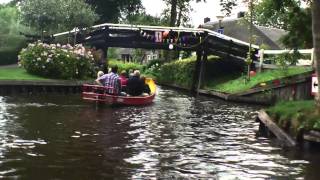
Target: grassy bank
[(16, 73), (233, 83), (295, 115)]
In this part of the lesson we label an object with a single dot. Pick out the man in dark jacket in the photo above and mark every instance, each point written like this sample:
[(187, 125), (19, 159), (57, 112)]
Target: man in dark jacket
[(135, 86)]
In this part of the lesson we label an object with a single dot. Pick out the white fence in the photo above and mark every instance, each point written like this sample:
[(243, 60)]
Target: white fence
[(301, 62)]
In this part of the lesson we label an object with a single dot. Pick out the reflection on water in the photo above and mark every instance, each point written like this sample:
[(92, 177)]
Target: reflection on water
[(177, 137)]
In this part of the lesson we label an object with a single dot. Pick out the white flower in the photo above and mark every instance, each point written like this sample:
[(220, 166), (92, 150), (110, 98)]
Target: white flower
[(39, 59), (43, 67), (58, 45), (50, 56), (68, 55), (48, 60), (44, 53)]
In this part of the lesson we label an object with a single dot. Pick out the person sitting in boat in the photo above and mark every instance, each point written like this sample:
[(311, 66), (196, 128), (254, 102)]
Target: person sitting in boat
[(123, 80), (111, 81), (99, 74), (146, 88), (134, 85)]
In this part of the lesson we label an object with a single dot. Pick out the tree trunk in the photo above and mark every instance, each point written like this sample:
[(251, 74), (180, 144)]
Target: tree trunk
[(179, 17), (173, 13), (316, 43)]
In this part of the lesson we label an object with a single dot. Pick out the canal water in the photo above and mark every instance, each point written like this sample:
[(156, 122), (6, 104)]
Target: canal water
[(177, 137)]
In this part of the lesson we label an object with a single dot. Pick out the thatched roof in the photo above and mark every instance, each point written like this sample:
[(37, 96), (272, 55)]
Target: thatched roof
[(239, 29)]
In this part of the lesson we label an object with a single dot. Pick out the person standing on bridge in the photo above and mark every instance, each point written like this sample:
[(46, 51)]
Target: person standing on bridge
[(111, 81)]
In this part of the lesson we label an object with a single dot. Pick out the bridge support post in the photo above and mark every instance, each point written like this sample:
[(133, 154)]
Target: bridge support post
[(196, 73), (202, 69)]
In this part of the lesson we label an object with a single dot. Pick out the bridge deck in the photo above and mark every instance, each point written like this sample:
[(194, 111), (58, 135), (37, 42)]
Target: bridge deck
[(158, 37)]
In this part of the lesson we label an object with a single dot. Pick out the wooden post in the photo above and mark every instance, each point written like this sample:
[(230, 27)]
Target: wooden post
[(312, 57), (196, 71), (261, 54), (202, 70)]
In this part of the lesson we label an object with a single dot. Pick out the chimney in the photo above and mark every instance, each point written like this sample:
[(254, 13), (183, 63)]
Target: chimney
[(241, 14), (207, 19)]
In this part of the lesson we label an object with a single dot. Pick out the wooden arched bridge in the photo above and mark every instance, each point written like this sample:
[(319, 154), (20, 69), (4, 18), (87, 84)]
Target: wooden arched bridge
[(203, 41)]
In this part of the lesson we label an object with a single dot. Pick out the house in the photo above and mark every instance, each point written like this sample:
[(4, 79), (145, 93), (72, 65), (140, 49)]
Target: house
[(138, 55), (239, 29)]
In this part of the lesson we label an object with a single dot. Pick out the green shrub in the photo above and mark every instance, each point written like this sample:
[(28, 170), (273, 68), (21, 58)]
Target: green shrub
[(301, 111), (178, 72), (125, 66), (8, 56), (56, 61), (153, 67), (181, 72)]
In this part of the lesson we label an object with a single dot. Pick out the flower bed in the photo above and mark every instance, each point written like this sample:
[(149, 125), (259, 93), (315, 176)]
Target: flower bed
[(56, 61)]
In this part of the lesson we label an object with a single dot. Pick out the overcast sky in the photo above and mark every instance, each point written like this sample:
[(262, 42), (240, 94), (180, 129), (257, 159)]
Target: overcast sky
[(201, 10)]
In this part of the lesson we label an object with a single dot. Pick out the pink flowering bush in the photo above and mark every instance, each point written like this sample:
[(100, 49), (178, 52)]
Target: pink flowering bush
[(56, 61)]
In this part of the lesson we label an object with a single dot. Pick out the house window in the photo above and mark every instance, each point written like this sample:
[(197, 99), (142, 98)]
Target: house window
[(155, 56)]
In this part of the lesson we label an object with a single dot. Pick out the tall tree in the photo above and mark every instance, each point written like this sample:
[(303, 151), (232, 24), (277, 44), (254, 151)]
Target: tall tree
[(288, 16), (56, 15), (179, 11), (111, 11)]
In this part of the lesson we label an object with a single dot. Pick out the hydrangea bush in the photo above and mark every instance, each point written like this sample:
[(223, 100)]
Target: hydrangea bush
[(56, 61)]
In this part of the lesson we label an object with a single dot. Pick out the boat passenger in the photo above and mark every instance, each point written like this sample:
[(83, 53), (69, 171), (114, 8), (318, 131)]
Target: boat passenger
[(123, 78), (146, 88), (130, 74), (111, 81), (135, 85), (99, 74)]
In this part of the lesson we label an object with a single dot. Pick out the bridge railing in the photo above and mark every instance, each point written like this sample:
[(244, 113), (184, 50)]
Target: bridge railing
[(301, 62)]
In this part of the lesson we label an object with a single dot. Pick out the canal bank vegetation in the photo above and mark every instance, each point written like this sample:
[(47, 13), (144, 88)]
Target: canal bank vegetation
[(180, 72), (58, 61), (16, 73), (239, 84), (125, 66), (294, 116), (222, 75)]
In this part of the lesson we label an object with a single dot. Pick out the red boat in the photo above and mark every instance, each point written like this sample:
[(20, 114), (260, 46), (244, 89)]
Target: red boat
[(98, 93)]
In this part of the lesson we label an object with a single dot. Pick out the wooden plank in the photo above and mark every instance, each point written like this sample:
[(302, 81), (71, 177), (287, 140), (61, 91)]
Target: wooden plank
[(312, 136), (276, 130)]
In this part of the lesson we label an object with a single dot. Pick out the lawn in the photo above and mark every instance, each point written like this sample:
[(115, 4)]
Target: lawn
[(232, 84), (295, 115), (16, 73)]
